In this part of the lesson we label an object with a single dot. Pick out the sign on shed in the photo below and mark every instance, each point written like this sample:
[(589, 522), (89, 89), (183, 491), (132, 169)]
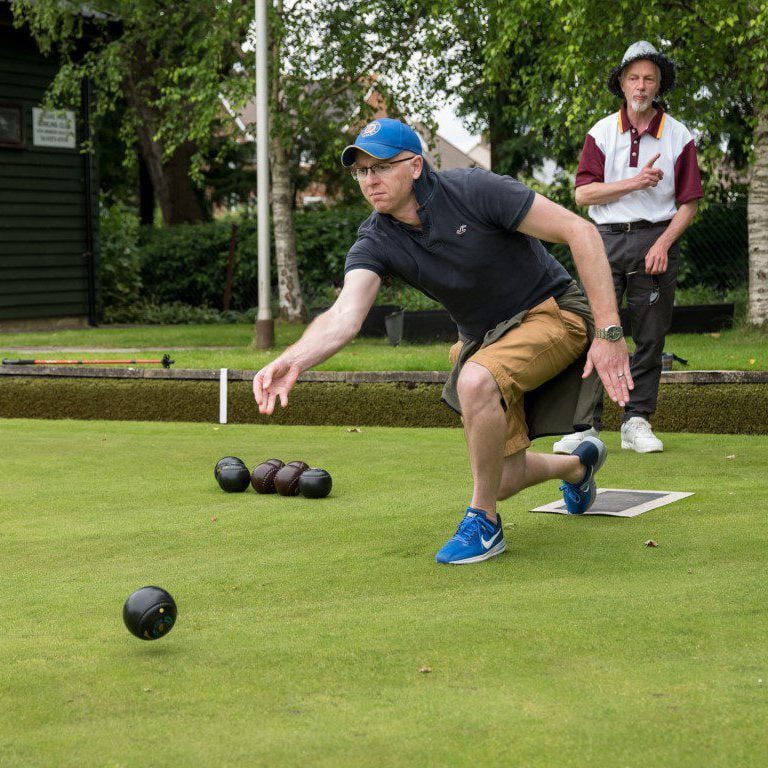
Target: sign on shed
[(53, 129)]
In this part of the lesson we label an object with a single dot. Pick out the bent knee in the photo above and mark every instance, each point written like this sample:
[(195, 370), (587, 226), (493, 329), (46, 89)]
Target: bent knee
[(476, 384)]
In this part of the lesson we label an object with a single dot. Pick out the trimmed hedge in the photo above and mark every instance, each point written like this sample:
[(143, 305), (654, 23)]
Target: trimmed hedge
[(711, 408)]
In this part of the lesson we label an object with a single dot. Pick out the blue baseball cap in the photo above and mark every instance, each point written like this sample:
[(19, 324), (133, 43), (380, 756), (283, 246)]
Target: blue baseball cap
[(382, 139)]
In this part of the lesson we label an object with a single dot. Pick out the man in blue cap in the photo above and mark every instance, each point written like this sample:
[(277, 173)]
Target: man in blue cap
[(530, 351)]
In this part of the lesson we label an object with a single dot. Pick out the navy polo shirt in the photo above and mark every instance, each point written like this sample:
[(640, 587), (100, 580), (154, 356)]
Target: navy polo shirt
[(468, 255)]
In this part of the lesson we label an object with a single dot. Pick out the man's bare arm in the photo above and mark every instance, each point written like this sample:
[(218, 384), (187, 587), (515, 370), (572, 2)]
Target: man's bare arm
[(657, 258), (680, 222), (553, 223), (550, 222), (336, 327), (325, 336), (604, 192)]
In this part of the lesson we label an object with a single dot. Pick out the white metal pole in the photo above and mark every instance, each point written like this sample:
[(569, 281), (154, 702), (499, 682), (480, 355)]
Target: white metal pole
[(264, 321)]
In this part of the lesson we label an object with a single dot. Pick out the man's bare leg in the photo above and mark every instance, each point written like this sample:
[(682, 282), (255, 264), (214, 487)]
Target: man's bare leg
[(525, 468), (485, 428)]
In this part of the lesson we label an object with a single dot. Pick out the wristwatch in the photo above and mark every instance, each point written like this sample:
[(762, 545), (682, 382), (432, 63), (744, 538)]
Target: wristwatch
[(611, 333)]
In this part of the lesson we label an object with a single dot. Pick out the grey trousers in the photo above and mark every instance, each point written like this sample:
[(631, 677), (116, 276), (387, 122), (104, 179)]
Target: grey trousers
[(649, 300)]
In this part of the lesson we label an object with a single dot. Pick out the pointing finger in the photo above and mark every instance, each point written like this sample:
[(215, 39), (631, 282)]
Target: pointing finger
[(653, 160)]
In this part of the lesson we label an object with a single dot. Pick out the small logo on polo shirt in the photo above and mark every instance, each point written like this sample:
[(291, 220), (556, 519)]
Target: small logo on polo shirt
[(461, 230)]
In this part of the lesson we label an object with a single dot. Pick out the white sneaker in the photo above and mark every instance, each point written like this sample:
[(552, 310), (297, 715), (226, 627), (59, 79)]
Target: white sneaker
[(637, 435), (569, 443)]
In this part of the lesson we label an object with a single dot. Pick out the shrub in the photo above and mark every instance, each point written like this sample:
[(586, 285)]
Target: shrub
[(174, 313), (120, 262), (323, 237), (158, 272), (188, 263)]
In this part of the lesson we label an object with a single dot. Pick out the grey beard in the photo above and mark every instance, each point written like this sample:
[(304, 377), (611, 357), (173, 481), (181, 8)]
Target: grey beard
[(639, 108)]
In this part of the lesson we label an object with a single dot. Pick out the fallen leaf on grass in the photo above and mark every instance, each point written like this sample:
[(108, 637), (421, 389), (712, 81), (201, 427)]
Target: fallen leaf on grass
[(214, 519), (731, 456), (752, 360), (425, 670), (147, 690), (354, 429), (650, 543)]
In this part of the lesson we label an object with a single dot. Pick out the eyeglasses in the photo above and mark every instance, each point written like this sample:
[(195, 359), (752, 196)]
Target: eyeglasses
[(380, 169)]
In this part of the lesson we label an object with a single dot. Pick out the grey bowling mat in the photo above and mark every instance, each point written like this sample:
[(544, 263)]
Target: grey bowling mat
[(621, 502)]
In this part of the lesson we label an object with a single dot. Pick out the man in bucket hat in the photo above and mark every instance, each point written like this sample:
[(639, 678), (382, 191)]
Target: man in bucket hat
[(526, 365), (639, 176)]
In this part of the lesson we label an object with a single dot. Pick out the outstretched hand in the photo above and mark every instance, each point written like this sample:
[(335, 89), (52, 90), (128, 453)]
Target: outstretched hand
[(611, 361), (273, 381)]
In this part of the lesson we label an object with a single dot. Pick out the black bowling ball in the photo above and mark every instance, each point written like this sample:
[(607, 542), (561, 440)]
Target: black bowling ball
[(234, 478), (149, 613), (315, 483), (226, 461)]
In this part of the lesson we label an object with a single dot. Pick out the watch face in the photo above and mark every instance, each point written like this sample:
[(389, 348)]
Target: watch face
[(614, 332)]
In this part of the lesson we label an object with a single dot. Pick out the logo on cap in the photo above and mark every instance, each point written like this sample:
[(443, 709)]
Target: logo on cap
[(370, 130)]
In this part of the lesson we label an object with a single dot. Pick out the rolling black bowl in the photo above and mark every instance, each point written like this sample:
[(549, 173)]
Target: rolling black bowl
[(149, 613)]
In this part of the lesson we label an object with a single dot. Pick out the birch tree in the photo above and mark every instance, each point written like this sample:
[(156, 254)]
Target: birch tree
[(324, 60)]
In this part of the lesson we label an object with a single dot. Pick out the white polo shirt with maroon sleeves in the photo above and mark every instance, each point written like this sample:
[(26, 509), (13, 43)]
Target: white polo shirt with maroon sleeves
[(614, 151)]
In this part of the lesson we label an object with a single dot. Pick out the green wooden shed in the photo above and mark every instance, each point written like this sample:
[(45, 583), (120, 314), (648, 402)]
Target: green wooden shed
[(48, 195)]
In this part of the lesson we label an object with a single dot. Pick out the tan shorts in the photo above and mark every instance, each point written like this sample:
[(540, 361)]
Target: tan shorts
[(545, 343)]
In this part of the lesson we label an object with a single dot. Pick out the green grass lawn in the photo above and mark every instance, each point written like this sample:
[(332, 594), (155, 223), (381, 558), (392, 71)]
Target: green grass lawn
[(736, 349), (303, 624)]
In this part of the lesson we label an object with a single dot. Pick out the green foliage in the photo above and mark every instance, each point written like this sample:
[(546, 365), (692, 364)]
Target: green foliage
[(168, 61), (179, 272), (323, 237), (714, 249), (324, 60), (405, 296), (697, 294), (188, 264), (542, 67), (120, 262), (174, 313)]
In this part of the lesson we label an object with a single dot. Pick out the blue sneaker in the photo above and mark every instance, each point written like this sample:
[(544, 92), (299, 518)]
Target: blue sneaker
[(475, 539), (579, 497)]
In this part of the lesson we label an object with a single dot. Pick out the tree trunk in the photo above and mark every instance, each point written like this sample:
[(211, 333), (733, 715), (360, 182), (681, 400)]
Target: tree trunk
[(291, 305), (174, 190), (146, 194), (496, 129), (757, 221)]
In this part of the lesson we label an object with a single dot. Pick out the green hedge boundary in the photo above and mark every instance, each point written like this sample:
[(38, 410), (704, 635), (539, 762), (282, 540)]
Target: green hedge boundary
[(727, 408)]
